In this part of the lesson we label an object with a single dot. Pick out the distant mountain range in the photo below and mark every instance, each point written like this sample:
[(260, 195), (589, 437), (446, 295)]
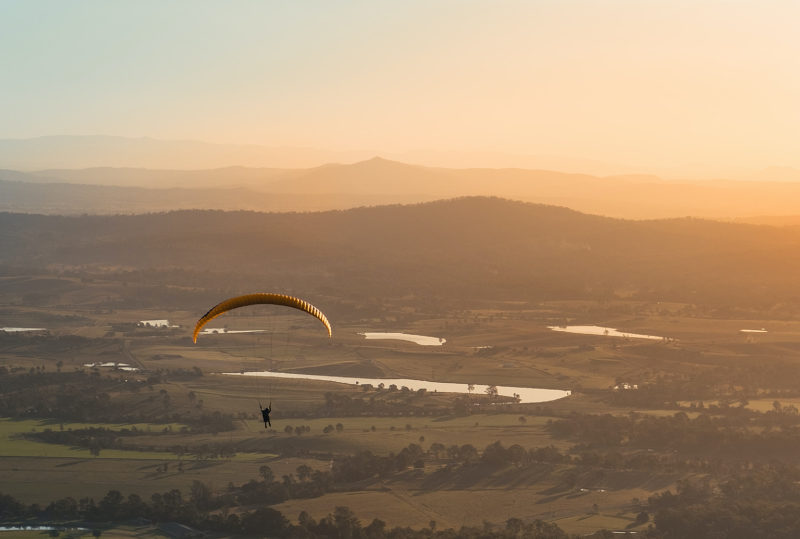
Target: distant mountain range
[(78, 152), (81, 152), (380, 181)]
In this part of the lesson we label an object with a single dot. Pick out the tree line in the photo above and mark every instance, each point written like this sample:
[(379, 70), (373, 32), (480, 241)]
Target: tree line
[(759, 435)]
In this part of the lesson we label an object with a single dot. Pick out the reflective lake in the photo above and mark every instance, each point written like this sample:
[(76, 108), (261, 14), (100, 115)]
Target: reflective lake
[(112, 365), (599, 330), (526, 394), (418, 339)]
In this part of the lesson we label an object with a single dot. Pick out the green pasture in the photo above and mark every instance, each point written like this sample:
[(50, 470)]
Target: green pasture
[(13, 445)]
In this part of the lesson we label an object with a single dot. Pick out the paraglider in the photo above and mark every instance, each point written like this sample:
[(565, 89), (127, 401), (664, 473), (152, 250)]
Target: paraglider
[(265, 414), (257, 299)]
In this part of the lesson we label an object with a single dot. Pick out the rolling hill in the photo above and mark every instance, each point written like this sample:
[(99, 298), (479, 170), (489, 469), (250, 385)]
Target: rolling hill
[(473, 247)]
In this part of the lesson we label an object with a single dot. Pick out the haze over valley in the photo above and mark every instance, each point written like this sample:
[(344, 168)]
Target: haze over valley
[(379, 181)]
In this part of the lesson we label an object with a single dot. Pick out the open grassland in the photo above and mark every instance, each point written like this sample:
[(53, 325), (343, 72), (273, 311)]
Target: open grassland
[(13, 445)]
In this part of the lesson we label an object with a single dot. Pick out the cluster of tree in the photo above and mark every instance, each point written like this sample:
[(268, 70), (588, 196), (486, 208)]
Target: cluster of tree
[(330, 428), (759, 502), (308, 483), (298, 430), (728, 383), (63, 396)]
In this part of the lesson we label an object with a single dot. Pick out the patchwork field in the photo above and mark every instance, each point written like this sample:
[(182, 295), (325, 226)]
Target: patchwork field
[(510, 346)]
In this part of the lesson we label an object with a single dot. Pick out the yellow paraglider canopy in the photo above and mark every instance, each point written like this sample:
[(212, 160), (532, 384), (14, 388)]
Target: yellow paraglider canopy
[(260, 298)]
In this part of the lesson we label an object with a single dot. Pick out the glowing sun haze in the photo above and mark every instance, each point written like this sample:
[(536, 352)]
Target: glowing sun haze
[(642, 83)]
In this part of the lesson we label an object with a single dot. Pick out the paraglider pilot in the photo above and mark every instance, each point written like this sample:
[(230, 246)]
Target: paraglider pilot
[(265, 414)]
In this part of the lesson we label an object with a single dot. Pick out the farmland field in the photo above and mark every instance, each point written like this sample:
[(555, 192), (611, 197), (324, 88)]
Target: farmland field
[(182, 381)]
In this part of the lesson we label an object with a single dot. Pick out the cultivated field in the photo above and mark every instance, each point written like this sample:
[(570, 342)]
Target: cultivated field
[(501, 344)]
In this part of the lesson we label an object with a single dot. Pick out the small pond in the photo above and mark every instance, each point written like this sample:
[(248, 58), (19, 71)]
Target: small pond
[(422, 340), (599, 330)]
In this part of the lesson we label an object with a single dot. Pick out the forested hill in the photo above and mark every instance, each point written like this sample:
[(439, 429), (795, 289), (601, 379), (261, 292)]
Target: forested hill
[(468, 247)]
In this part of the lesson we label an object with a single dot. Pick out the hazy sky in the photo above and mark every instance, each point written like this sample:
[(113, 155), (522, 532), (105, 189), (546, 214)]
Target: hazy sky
[(638, 82)]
